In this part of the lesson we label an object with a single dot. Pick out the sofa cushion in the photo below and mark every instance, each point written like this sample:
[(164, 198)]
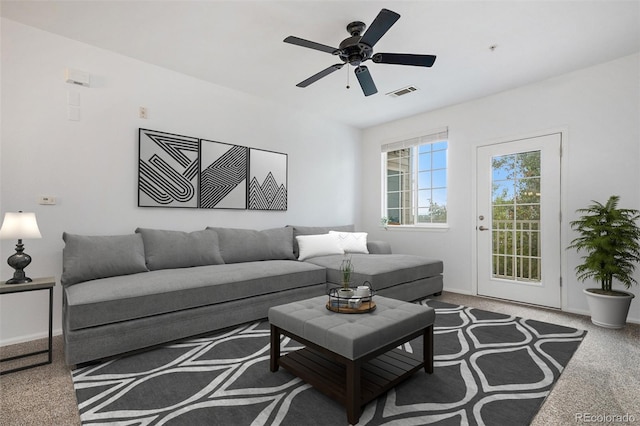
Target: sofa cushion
[(315, 230), (124, 298), (352, 242), (248, 245), (176, 249), (378, 247), (87, 257), (381, 270), (318, 245)]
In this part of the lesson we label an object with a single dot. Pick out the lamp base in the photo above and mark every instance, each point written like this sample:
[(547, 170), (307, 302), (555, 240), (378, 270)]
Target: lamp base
[(18, 280), (18, 261)]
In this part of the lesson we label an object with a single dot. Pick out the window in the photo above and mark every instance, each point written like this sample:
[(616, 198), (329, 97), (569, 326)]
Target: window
[(415, 180)]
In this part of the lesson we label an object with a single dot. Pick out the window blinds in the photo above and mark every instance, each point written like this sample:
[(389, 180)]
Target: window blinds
[(433, 136)]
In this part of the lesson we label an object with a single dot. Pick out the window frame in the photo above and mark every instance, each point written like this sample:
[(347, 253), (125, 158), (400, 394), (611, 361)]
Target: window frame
[(428, 138)]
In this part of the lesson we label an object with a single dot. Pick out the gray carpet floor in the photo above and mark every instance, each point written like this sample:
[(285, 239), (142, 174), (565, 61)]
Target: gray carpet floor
[(601, 379)]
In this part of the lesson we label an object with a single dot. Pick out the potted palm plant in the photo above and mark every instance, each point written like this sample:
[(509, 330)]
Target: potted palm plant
[(609, 236)]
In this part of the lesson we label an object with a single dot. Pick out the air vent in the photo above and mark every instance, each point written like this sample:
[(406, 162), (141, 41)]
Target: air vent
[(402, 92)]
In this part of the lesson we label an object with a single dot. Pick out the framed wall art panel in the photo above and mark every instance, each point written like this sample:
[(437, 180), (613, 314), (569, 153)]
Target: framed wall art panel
[(168, 169), (267, 180), (223, 175)]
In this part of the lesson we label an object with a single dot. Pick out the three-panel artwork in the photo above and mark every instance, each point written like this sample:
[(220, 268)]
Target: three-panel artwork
[(183, 171)]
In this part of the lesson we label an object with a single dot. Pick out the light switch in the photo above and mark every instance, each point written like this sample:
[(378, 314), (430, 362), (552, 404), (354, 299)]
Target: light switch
[(47, 200)]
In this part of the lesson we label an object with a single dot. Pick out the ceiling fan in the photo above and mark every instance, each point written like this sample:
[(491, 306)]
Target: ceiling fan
[(358, 48)]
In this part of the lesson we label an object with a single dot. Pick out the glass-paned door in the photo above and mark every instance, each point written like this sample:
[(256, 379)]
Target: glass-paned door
[(519, 220)]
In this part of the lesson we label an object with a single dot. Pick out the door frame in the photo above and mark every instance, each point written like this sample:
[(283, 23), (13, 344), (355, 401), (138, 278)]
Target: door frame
[(564, 226)]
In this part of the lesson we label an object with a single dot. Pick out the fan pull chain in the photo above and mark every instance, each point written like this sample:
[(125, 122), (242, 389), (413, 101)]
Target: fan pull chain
[(348, 87)]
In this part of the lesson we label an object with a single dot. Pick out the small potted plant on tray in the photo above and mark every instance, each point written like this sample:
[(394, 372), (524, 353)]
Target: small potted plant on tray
[(610, 237), (346, 269)]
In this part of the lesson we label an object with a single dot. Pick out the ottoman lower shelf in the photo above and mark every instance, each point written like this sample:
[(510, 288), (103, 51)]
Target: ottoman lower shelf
[(377, 375)]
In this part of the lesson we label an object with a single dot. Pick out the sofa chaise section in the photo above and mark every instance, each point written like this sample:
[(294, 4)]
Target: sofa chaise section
[(399, 276)]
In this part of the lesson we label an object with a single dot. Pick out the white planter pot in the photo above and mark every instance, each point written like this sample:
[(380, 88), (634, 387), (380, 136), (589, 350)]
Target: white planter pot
[(345, 293), (608, 311)]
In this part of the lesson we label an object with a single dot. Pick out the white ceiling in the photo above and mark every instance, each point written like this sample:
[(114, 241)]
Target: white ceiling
[(238, 44)]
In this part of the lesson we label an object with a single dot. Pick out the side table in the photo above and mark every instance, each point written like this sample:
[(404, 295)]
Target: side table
[(36, 284)]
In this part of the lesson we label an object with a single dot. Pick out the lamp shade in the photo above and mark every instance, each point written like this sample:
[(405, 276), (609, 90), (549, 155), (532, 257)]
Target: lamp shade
[(19, 226)]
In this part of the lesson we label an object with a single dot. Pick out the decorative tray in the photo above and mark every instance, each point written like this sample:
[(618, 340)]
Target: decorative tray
[(364, 308), (352, 303)]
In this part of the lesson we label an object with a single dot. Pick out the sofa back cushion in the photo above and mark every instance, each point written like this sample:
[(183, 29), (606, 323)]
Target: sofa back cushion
[(248, 245), (87, 257), (315, 230), (176, 249)]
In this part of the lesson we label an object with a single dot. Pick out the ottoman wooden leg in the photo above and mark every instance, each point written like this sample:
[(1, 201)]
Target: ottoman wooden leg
[(353, 392), (428, 349), (274, 349)]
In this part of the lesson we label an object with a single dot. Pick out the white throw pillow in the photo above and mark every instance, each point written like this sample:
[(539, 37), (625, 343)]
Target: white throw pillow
[(318, 245), (352, 242)]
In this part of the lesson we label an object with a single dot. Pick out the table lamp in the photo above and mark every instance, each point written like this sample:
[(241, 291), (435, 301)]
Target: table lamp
[(19, 226)]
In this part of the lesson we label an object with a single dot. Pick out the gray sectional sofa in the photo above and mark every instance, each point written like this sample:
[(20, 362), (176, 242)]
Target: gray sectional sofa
[(129, 292)]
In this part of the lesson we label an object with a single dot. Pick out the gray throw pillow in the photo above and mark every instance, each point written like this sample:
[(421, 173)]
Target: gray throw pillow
[(315, 230), (176, 249), (86, 257), (248, 245)]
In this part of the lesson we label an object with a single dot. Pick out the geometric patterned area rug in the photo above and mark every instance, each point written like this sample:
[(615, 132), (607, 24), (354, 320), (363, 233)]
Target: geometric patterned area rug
[(489, 369)]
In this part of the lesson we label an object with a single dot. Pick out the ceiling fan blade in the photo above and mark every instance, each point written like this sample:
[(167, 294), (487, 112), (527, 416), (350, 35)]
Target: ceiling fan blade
[(325, 72), (365, 80), (311, 44), (404, 59), (385, 19)]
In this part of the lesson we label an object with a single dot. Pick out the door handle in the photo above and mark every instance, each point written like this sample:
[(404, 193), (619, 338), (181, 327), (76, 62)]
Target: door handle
[(482, 228)]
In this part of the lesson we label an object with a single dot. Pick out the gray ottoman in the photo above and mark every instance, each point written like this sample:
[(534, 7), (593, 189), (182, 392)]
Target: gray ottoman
[(352, 358)]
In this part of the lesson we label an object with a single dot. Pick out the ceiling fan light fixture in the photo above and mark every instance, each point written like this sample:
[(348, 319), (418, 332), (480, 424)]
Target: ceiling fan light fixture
[(358, 48)]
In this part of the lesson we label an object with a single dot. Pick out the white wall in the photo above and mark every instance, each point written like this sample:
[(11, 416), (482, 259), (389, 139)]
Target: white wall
[(600, 109), (91, 165)]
